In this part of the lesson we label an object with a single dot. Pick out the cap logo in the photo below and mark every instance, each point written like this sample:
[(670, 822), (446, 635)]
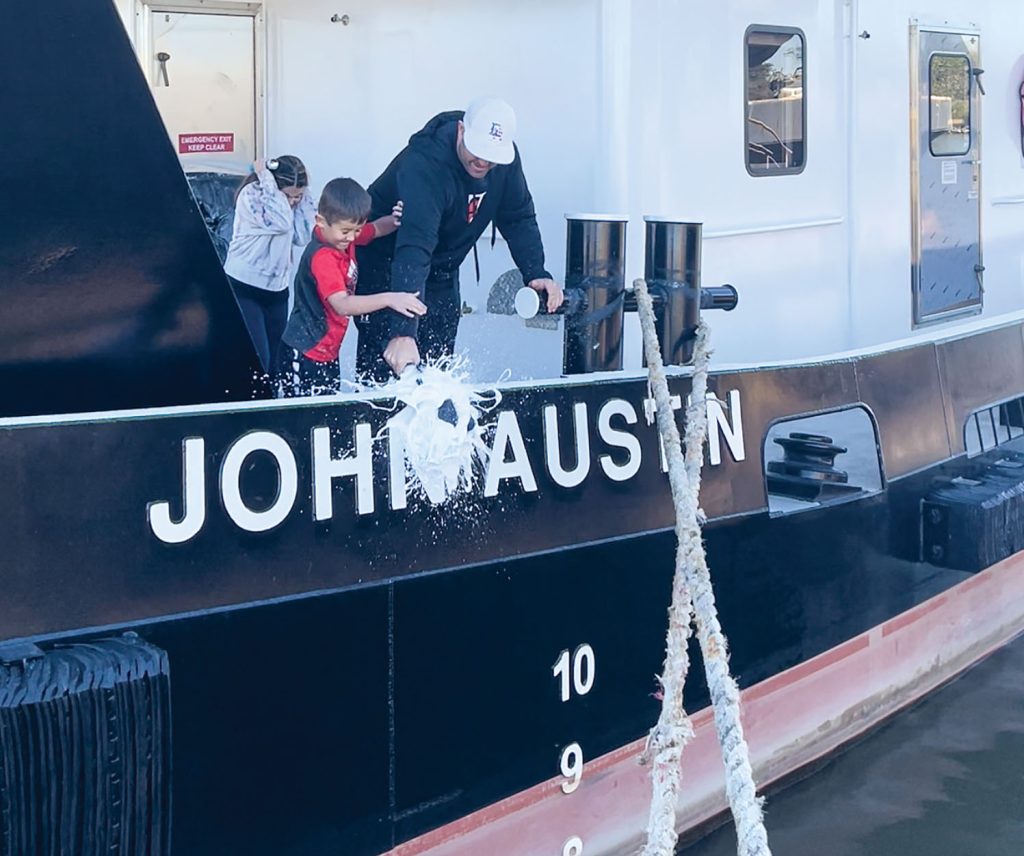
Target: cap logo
[(496, 133)]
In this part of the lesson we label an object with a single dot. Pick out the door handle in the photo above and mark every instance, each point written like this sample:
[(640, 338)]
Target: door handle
[(162, 58), (978, 72)]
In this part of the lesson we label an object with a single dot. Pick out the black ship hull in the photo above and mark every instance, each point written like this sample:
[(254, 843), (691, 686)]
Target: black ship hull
[(352, 683)]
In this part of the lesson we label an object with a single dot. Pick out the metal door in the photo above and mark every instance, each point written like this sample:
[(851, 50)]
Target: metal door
[(945, 140), (202, 71)]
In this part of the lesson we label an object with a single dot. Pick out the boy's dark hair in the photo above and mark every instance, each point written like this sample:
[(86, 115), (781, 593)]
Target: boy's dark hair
[(344, 199)]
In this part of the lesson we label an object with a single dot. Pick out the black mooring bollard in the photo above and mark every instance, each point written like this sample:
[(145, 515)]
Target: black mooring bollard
[(595, 295), (595, 265), (672, 271)]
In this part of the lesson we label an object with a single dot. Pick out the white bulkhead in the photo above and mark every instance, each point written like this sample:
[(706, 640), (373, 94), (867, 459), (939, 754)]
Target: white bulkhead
[(640, 107)]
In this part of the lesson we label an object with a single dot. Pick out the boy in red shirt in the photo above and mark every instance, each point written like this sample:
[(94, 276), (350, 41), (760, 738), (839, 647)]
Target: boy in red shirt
[(325, 286)]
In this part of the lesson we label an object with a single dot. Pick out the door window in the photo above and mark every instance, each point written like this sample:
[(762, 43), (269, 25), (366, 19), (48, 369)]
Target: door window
[(949, 98), (202, 72)]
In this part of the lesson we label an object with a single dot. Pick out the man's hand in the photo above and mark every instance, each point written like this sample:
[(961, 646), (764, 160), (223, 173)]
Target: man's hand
[(553, 290), (401, 351)]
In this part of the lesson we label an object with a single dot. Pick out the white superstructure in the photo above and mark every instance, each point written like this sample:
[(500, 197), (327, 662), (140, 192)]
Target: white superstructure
[(646, 107)]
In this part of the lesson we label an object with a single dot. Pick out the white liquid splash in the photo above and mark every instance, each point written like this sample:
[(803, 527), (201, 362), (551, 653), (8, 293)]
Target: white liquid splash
[(439, 427)]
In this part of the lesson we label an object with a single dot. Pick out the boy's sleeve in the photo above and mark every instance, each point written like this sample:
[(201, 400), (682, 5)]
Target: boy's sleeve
[(366, 235), (329, 277)]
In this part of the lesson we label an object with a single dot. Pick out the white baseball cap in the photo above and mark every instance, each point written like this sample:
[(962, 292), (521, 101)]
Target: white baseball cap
[(490, 128)]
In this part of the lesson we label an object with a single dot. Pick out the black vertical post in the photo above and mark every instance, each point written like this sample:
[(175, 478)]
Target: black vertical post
[(595, 263), (672, 270)]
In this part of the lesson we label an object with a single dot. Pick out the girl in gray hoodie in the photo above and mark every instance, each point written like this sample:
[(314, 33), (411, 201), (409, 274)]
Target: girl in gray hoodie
[(274, 211)]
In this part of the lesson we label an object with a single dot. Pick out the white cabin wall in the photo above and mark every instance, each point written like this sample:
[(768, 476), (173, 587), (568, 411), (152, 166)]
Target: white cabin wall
[(612, 168), (688, 159), (624, 106), (1002, 189), (638, 107), (881, 307), (347, 98), (881, 216)]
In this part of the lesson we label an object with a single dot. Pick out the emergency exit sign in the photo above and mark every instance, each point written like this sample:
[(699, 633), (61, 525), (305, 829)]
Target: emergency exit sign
[(190, 144)]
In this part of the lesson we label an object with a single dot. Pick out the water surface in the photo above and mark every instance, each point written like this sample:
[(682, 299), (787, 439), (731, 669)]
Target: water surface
[(945, 778)]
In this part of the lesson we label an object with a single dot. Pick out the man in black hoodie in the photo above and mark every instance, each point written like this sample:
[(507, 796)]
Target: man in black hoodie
[(456, 176)]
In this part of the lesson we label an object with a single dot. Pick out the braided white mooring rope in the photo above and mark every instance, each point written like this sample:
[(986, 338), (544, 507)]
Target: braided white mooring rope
[(693, 601)]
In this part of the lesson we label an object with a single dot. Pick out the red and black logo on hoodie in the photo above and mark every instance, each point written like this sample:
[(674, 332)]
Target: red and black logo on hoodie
[(473, 205)]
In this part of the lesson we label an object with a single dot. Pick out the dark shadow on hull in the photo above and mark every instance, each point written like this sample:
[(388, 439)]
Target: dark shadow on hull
[(112, 293)]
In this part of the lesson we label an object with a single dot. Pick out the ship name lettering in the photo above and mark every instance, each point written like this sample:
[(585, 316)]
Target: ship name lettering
[(552, 450), (333, 460), (508, 437), (728, 428), (622, 470), (326, 468)]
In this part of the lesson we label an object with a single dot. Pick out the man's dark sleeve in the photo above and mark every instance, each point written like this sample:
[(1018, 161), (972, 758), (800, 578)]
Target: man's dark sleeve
[(416, 238), (517, 221)]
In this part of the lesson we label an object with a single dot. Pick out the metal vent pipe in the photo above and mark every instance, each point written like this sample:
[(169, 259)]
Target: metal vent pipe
[(672, 271), (595, 265)]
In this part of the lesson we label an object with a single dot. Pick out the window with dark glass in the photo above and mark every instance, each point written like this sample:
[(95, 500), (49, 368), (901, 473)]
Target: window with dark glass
[(949, 98), (776, 110)]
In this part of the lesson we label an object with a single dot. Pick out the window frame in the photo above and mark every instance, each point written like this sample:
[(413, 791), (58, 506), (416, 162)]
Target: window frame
[(790, 31), (970, 103)]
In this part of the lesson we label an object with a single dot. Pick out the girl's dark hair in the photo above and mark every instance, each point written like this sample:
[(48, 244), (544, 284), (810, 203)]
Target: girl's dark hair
[(344, 199), (288, 171)]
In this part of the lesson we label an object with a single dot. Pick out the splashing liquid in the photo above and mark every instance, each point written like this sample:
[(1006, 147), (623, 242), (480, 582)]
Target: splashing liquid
[(439, 427)]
